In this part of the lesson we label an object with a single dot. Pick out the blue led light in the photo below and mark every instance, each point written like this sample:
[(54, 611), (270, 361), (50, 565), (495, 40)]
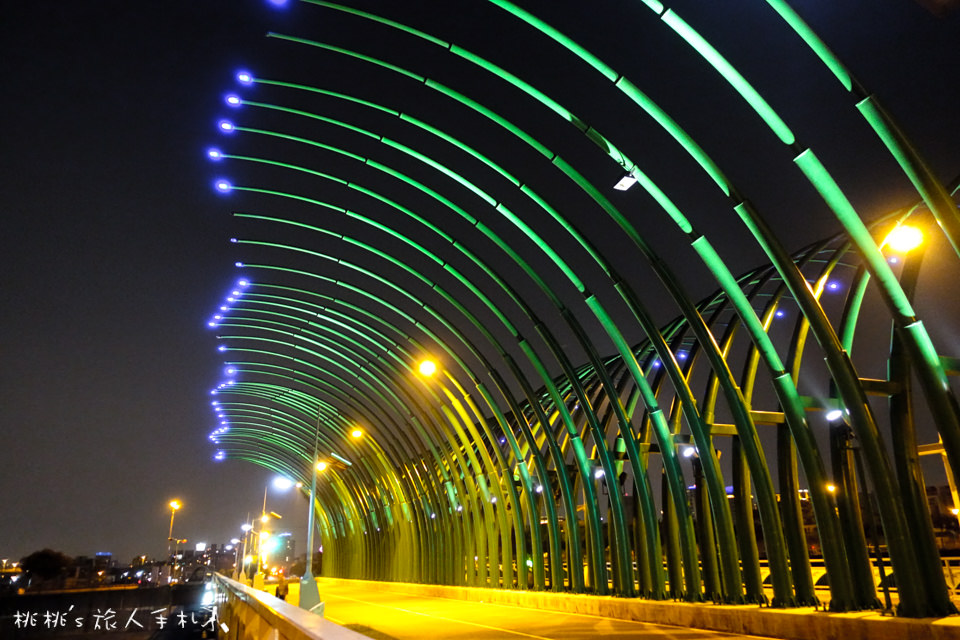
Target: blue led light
[(223, 186), (233, 240), (278, 3), (833, 286), (233, 100), (245, 77), (226, 126), (235, 293), (231, 299), (231, 371), (222, 348), (238, 264), (244, 283), (211, 324), (224, 308), (780, 313), (214, 154)]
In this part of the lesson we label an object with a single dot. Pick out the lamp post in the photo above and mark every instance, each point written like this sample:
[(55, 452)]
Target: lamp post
[(309, 594), (174, 505)]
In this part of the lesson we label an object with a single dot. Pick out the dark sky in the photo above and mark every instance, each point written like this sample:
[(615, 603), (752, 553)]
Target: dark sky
[(115, 248)]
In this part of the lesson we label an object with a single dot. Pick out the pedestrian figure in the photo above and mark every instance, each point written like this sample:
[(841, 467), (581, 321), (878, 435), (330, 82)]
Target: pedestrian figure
[(282, 588)]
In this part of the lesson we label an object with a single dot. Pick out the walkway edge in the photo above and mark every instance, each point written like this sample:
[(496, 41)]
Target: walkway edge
[(802, 623)]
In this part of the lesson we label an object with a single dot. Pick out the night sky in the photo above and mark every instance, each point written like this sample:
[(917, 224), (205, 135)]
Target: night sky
[(116, 249)]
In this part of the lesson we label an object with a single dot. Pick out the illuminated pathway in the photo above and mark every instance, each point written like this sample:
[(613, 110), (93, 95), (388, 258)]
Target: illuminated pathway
[(384, 614)]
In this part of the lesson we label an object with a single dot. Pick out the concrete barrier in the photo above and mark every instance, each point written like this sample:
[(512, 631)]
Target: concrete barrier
[(801, 623), (248, 614)]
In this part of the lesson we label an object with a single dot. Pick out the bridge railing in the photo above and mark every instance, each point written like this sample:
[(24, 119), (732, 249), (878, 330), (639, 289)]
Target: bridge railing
[(248, 614)]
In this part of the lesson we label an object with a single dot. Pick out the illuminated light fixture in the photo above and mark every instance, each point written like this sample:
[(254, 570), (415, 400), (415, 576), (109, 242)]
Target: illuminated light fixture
[(682, 355), (833, 285), (246, 526), (231, 299), (222, 348), (356, 433), (222, 186), (459, 508), (277, 3), (780, 313), (243, 283), (433, 515), (235, 293), (831, 488), (893, 260), (503, 441), (214, 154), (175, 504), (238, 264), (598, 474), (539, 489), (626, 182), (656, 364), (231, 370), (220, 455), (904, 238), (282, 483), (233, 100), (689, 452), (224, 308), (321, 466), (244, 77), (214, 403), (493, 500), (955, 511), (212, 323), (213, 392), (226, 126), (218, 317), (427, 368), (834, 414)]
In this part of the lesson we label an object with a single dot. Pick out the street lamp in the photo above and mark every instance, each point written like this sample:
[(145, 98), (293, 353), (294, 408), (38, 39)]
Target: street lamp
[(174, 505), (427, 368), (309, 594), (904, 238)]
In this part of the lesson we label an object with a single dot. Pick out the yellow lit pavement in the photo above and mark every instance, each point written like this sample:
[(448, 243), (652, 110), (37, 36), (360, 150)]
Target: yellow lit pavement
[(389, 615)]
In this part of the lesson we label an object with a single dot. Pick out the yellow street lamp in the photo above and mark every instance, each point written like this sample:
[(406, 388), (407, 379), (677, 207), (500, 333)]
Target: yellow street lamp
[(356, 433), (831, 488), (427, 368), (321, 466), (903, 238), (174, 505)]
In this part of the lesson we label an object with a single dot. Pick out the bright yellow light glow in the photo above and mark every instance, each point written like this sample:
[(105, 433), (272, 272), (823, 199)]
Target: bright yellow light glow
[(321, 466), (427, 368), (955, 511), (264, 534), (175, 504), (299, 485), (904, 238), (831, 488), (264, 518), (247, 559), (356, 433)]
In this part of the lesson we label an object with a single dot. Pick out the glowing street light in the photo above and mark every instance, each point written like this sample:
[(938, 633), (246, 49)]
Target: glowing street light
[(904, 238), (427, 368), (174, 506), (356, 433)]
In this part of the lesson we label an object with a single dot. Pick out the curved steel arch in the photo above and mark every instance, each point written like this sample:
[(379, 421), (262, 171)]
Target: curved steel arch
[(587, 400)]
